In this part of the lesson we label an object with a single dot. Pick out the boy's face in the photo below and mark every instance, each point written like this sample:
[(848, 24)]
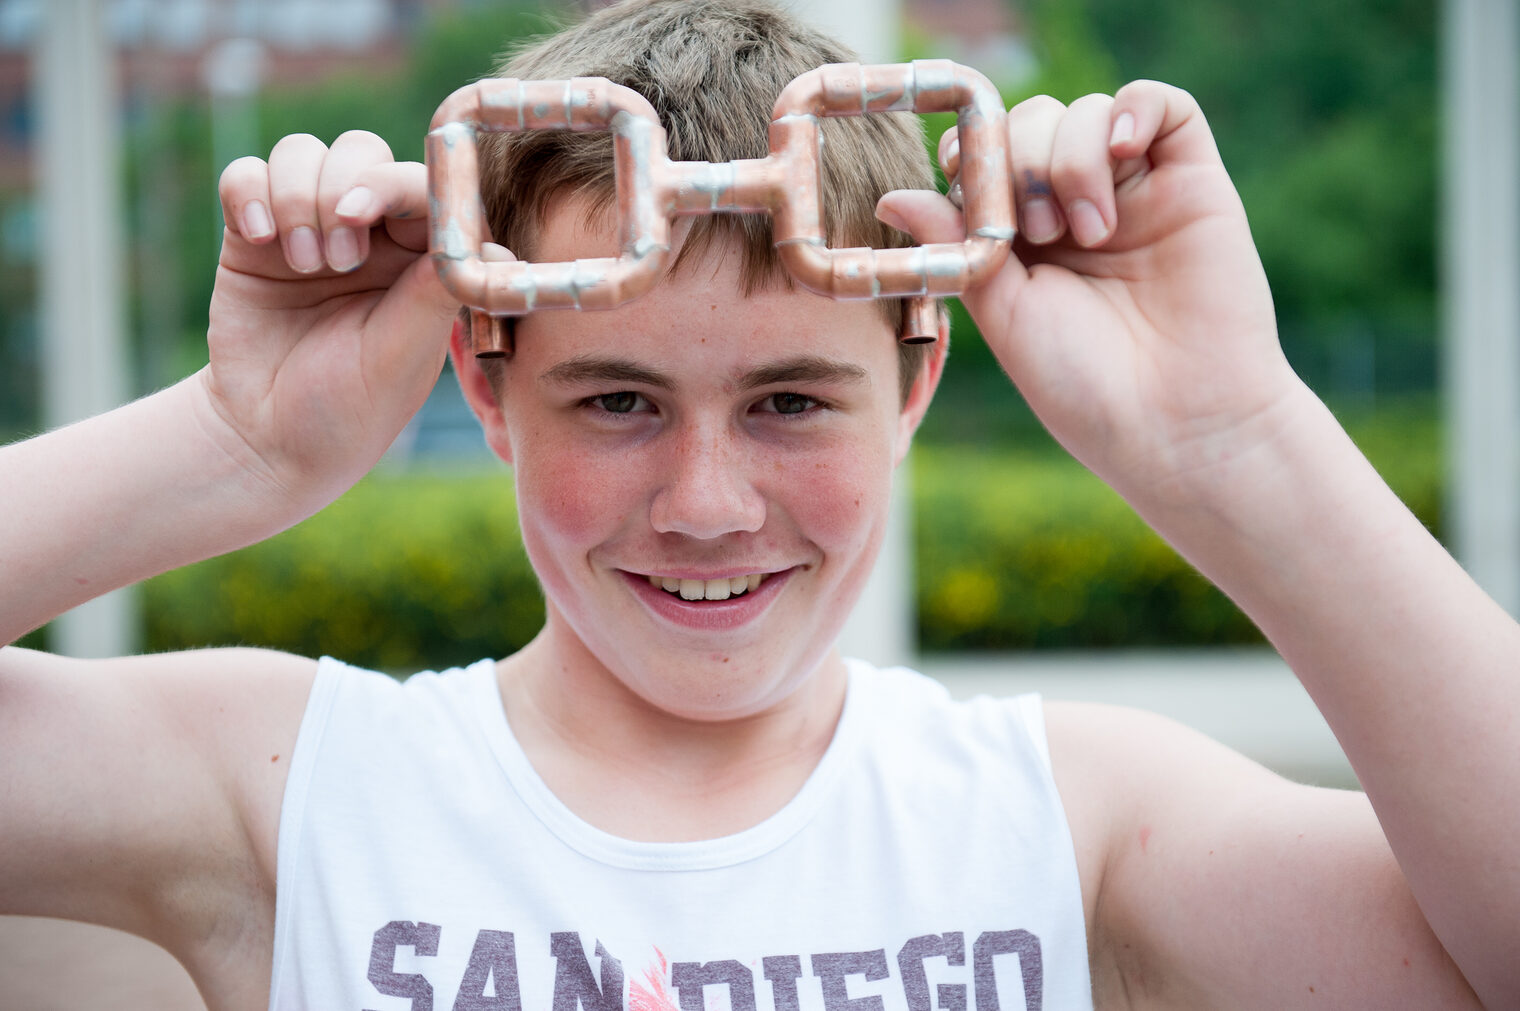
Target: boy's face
[(702, 439)]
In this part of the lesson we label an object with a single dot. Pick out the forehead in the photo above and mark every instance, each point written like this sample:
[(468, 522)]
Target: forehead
[(700, 309)]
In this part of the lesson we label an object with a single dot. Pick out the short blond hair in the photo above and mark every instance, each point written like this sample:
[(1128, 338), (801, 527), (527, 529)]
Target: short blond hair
[(712, 70)]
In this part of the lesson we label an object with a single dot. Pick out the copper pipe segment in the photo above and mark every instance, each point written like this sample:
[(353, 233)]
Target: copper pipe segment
[(457, 215)]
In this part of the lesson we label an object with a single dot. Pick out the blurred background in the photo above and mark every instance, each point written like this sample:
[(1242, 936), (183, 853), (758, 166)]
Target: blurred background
[(1326, 112), (1372, 142)]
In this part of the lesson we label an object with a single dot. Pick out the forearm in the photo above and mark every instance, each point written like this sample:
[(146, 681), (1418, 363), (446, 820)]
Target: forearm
[(120, 497), (1412, 664)]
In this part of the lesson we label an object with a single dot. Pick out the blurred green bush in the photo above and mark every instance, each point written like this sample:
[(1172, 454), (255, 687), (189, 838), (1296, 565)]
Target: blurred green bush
[(403, 572), (1015, 549), (1025, 549)]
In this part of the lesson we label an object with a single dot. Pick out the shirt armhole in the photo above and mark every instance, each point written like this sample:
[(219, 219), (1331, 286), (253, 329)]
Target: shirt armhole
[(303, 763), (1031, 708)]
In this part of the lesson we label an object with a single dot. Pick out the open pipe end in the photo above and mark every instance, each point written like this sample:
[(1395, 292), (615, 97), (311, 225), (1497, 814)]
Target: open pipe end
[(490, 336), (920, 324)]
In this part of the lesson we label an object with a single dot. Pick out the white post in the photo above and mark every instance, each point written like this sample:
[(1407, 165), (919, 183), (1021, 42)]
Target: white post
[(82, 308), (882, 627), (873, 28), (1481, 291)]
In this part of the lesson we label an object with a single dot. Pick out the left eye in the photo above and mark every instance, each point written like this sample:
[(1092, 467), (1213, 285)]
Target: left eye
[(789, 403), (622, 402)]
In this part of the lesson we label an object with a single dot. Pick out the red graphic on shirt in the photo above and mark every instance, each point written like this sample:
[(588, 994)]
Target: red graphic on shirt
[(654, 996)]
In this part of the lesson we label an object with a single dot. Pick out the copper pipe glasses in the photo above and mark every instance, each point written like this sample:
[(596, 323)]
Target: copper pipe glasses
[(652, 191)]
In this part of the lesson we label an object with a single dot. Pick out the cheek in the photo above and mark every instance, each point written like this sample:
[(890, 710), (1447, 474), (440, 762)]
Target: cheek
[(838, 494), (569, 499)]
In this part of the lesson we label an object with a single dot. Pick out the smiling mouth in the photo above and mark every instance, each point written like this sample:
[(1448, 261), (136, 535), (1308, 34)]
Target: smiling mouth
[(708, 589)]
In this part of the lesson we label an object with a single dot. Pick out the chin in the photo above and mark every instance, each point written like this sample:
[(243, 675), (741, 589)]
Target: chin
[(719, 688)]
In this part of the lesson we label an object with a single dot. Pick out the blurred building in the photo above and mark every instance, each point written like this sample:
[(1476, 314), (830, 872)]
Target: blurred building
[(986, 34), (222, 52), (167, 47)]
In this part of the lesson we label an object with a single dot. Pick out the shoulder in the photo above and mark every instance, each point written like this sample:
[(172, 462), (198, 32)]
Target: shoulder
[(161, 811), (218, 720), (1208, 880)]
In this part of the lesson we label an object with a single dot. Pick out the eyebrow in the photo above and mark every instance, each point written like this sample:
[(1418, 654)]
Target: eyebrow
[(596, 369), (804, 369)]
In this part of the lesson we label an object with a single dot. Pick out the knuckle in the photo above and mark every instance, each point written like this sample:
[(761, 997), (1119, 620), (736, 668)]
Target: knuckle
[(1092, 102), (1038, 107), (363, 139), (1183, 95), (296, 143), (1147, 90), (1070, 174), (242, 171)]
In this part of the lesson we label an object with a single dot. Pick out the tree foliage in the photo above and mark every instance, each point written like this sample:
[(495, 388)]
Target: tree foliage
[(1325, 112)]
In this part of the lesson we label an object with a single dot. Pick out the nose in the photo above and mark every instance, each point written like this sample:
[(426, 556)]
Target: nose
[(707, 490)]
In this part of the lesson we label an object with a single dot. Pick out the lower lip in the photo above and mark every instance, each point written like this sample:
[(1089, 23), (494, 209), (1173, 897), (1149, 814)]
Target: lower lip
[(709, 615)]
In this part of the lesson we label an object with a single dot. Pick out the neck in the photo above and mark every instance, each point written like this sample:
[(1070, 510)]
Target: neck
[(636, 770)]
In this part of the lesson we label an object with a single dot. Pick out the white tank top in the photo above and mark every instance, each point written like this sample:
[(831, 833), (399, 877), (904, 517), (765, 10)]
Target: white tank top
[(926, 865)]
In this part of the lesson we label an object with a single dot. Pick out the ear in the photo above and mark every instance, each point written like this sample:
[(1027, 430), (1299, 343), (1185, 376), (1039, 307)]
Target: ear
[(478, 391), (922, 390)]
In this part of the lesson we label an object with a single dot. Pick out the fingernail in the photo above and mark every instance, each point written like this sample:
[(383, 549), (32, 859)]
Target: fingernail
[(303, 250), (1086, 223), (1124, 129), (342, 249), (355, 201), (1040, 224), (256, 223)]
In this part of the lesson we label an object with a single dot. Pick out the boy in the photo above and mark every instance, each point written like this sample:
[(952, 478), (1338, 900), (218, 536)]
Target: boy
[(678, 793)]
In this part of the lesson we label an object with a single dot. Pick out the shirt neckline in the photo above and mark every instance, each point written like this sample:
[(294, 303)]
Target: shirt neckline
[(704, 854)]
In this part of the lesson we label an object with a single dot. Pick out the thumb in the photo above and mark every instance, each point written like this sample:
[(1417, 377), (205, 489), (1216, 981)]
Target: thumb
[(408, 330), (924, 214), (931, 217), (417, 315)]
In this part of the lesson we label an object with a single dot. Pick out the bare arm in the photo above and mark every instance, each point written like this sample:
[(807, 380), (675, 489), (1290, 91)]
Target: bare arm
[(312, 374), (118, 498), (144, 792), (1218, 884), (1143, 335), (1416, 670)]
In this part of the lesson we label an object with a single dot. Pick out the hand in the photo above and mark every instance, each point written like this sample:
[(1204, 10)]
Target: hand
[(328, 323), (1134, 316)]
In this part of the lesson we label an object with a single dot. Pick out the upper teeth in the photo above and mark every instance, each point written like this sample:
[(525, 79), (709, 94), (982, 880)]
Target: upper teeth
[(708, 589)]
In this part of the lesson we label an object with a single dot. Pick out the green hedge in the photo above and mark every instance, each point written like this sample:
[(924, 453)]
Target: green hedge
[(1019, 550), (403, 572), (1015, 549)]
